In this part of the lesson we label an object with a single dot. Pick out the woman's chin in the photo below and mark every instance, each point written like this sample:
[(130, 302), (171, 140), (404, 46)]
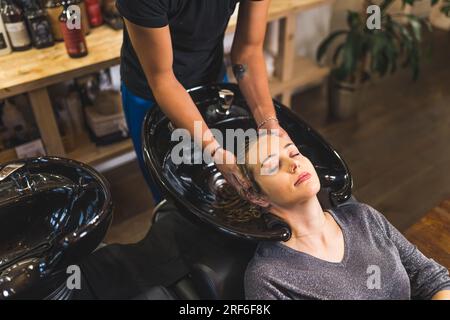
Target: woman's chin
[(305, 195), (295, 195), (307, 189)]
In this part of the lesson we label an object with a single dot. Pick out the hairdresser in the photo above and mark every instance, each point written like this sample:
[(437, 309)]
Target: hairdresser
[(172, 45)]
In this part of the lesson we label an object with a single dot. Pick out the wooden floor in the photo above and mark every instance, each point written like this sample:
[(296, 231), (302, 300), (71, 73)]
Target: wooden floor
[(398, 148), (133, 204)]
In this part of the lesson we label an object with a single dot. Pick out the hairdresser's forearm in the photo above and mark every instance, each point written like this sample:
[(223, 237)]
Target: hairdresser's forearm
[(254, 82), (247, 52), (177, 105)]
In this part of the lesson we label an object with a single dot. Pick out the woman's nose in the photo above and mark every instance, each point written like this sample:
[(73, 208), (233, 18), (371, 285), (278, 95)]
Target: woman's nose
[(294, 167)]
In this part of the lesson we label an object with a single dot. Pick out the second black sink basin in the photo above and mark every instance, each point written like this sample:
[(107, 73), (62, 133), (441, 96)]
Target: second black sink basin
[(53, 212)]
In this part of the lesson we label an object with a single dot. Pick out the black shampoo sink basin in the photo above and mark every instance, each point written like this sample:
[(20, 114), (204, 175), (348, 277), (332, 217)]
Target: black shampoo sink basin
[(53, 212), (195, 187)]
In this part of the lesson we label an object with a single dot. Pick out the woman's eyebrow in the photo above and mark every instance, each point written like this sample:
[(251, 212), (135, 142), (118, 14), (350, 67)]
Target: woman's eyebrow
[(288, 145), (271, 155)]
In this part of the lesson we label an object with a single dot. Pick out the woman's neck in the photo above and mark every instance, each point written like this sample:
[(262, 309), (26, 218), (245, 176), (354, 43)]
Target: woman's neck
[(306, 220), (313, 231)]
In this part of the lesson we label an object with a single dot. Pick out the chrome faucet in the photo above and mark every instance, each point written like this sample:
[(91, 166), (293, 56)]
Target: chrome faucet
[(8, 170), (15, 183), (226, 98)]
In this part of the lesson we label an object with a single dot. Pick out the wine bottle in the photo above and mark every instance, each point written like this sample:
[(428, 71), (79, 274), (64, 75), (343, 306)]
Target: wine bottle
[(73, 37), (54, 9), (15, 25), (38, 24), (94, 13), (84, 15), (5, 47)]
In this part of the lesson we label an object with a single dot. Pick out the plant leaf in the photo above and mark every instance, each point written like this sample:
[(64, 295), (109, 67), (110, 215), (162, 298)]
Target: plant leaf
[(337, 53), (416, 27), (326, 43)]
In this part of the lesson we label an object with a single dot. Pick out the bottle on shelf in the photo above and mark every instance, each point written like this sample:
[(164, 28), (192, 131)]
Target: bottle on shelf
[(54, 9), (38, 24), (5, 47), (73, 37), (111, 15), (94, 13), (84, 15), (15, 25)]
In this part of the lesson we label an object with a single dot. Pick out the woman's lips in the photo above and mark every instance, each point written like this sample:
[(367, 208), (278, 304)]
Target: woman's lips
[(302, 177)]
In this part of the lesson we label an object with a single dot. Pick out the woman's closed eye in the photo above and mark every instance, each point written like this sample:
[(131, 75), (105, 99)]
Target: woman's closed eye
[(272, 166), (291, 155), (294, 152)]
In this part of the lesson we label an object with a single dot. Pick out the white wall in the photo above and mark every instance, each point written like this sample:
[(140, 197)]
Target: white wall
[(312, 26)]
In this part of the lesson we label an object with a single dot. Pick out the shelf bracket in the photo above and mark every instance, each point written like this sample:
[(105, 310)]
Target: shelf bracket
[(46, 121)]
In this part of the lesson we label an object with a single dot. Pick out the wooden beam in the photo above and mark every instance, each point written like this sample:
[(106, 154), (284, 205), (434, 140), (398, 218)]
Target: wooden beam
[(285, 61), (286, 98), (286, 57), (46, 121)]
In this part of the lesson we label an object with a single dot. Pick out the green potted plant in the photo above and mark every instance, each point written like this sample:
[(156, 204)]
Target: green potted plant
[(364, 53)]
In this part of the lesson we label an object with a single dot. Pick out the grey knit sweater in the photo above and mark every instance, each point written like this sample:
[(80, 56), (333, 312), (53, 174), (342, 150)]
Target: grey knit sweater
[(378, 263)]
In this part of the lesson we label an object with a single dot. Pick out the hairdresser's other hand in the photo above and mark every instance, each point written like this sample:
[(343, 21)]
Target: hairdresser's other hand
[(275, 125), (225, 161)]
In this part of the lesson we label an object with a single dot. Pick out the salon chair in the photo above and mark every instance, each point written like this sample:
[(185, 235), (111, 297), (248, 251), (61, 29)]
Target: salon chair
[(217, 250), (53, 213)]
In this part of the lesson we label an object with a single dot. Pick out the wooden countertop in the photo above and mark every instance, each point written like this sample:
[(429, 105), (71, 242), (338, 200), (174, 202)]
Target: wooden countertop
[(26, 71)]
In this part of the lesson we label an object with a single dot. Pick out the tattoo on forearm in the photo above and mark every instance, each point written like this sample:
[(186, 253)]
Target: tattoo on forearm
[(239, 71)]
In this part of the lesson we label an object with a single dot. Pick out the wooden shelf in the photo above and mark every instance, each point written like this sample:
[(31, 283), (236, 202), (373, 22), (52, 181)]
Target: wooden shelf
[(306, 74), (7, 155), (88, 152), (33, 69)]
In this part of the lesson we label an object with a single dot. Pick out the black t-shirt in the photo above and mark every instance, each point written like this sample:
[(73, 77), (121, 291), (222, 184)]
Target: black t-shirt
[(197, 29)]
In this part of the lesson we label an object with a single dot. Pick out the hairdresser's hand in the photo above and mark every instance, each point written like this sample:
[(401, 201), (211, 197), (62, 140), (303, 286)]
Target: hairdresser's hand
[(226, 163), (274, 125)]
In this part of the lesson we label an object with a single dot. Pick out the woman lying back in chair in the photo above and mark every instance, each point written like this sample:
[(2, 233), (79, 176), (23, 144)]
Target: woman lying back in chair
[(349, 252)]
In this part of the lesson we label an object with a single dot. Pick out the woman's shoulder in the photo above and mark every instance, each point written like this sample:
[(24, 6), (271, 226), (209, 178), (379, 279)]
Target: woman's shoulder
[(266, 254), (352, 205), (357, 212)]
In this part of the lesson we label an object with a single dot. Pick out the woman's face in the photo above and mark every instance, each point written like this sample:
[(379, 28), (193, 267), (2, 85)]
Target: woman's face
[(285, 176)]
